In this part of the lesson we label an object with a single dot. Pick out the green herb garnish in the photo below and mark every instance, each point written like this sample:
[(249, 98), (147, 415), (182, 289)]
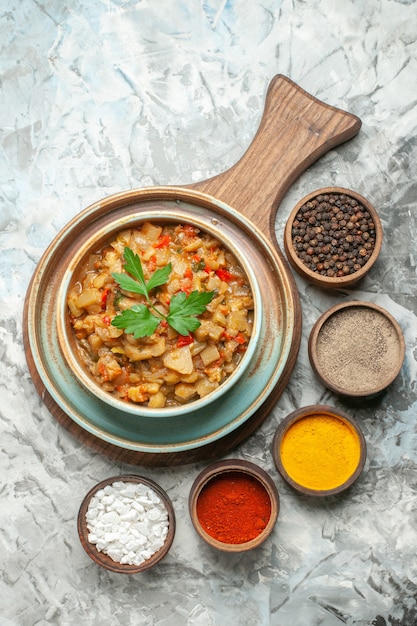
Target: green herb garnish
[(199, 265), (183, 309), (142, 320)]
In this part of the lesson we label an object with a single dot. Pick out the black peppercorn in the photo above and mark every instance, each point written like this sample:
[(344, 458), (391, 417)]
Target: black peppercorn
[(333, 235)]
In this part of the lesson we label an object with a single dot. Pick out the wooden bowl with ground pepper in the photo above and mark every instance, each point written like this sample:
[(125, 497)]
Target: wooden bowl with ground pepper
[(333, 237), (319, 450), (233, 505), (356, 349)]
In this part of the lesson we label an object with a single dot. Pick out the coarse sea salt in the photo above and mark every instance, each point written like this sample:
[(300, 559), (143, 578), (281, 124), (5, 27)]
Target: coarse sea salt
[(127, 521)]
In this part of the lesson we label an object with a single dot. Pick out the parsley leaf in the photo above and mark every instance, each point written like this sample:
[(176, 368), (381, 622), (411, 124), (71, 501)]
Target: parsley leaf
[(136, 283), (183, 309), (138, 320), (130, 284), (159, 277), (133, 266)]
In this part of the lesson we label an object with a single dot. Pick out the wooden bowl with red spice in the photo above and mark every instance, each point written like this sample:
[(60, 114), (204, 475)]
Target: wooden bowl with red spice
[(234, 505), (319, 450)]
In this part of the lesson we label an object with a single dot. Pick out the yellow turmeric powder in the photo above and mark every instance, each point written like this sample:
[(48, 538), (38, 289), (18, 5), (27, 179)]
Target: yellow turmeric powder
[(320, 452)]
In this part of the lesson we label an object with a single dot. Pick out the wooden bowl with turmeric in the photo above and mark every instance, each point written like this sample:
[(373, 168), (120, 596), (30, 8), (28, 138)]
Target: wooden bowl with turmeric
[(319, 450), (234, 505)]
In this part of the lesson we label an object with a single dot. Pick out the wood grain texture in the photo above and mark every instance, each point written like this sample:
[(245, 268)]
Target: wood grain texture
[(295, 130)]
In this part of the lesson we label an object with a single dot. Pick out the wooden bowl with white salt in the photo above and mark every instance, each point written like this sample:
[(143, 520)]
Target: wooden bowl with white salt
[(126, 524), (356, 349)]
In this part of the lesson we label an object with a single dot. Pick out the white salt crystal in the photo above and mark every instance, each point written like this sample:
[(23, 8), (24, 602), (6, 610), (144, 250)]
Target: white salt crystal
[(127, 521), (131, 514), (147, 554), (137, 506), (128, 490), (154, 514), (110, 517), (115, 554), (108, 500), (124, 537)]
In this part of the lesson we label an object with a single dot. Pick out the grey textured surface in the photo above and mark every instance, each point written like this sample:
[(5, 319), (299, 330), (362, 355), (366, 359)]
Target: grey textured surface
[(99, 97)]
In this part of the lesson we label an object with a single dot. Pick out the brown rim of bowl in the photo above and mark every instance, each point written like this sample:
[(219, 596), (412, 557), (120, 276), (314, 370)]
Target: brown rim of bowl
[(103, 559), (334, 281), (306, 411), (223, 467), (67, 343), (315, 364)]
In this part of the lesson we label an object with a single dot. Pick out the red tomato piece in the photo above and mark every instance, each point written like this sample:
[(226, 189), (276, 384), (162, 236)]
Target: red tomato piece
[(190, 230), (152, 263), (163, 242), (184, 340), (104, 295), (224, 275)]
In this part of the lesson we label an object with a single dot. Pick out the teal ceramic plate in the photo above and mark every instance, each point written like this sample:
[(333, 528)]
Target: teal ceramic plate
[(179, 432)]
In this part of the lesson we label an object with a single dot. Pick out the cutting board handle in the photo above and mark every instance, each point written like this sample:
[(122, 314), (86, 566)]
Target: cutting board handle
[(295, 130)]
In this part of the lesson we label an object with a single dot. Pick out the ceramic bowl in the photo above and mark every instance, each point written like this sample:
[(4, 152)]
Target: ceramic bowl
[(319, 439), (103, 559), (211, 478), (309, 220), (356, 349), (67, 340)]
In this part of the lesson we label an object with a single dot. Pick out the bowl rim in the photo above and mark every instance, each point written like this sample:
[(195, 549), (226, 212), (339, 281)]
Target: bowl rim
[(312, 348), (310, 411), (332, 281), (223, 467), (161, 214), (102, 559), (226, 421)]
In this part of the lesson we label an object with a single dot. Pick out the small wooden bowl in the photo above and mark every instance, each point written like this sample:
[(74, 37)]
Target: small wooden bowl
[(230, 468), (314, 275), (102, 559), (315, 454), (356, 349)]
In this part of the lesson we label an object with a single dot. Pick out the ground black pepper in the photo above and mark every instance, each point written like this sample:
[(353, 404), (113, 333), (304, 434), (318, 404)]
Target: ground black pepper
[(333, 235), (358, 350)]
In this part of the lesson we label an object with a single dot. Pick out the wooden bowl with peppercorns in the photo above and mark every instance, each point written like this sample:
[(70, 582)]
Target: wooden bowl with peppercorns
[(333, 237), (233, 505)]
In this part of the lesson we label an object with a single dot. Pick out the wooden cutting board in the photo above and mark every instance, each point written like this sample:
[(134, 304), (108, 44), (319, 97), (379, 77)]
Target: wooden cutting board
[(295, 130)]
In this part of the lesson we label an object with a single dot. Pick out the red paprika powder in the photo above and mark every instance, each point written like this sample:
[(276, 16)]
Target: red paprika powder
[(233, 507)]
